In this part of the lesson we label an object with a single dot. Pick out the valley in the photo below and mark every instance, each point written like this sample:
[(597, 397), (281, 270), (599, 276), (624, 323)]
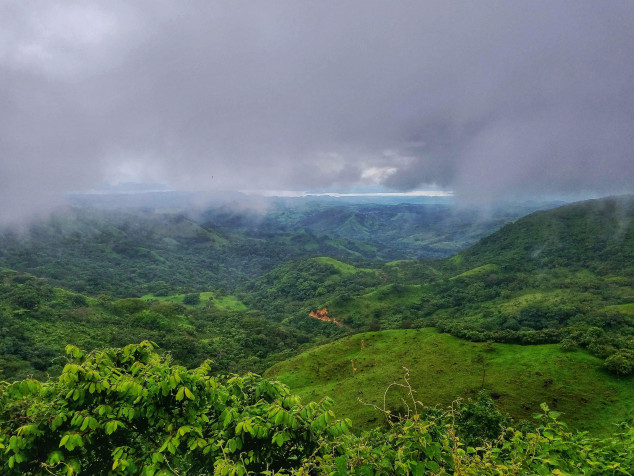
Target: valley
[(341, 302)]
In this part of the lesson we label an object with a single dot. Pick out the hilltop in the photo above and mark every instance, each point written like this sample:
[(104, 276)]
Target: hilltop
[(597, 235)]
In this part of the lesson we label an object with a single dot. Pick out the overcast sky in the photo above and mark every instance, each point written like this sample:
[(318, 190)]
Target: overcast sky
[(486, 98)]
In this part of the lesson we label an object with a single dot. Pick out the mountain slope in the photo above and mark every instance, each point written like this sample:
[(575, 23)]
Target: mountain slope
[(594, 234), (559, 276), (442, 368)]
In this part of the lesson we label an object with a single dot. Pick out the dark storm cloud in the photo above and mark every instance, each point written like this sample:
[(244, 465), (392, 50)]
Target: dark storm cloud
[(488, 98)]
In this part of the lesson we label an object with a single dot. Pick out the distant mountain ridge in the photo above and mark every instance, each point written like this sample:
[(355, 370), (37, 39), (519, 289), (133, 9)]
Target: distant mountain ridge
[(133, 252), (596, 234)]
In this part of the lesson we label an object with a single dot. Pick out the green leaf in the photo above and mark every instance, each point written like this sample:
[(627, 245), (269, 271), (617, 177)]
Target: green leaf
[(433, 466), (228, 418), (281, 438), (180, 394), (232, 445), (55, 457)]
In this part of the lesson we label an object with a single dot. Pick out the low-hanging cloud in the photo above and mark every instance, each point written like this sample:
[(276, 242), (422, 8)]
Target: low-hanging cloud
[(486, 98)]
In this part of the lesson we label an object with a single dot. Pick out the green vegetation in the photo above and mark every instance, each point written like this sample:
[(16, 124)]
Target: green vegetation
[(540, 312), (38, 320), (205, 299), (559, 274), (137, 252), (129, 411), (595, 235), (443, 368), (479, 271)]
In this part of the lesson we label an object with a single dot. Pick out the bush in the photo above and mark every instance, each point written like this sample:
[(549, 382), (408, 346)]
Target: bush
[(568, 345), (130, 306), (621, 363), (131, 411), (479, 421), (191, 299)]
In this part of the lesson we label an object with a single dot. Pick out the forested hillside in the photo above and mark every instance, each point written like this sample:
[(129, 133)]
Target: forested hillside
[(560, 276), (547, 303), (130, 253), (595, 235), (38, 321), (563, 275)]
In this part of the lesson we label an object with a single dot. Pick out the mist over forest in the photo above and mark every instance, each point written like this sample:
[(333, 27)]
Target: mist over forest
[(307, 238)]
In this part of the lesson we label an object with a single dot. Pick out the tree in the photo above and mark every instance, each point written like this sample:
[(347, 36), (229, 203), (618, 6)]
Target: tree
[(621, 363), (130, 411), (192, 299)]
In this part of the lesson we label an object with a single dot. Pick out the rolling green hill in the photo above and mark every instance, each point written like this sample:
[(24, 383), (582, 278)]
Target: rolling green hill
[(443, 368), (578, 290), (595, 234)]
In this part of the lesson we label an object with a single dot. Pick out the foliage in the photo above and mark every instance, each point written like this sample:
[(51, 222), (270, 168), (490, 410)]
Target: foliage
[(553, 275), (192, 299), (32, 338), (621, 363), (432, 445), (479, 421), (134, 252), (561, 276), (130, 412), (444, 368)]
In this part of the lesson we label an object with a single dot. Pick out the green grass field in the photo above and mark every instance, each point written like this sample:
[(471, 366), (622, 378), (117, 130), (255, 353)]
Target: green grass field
[(225, 303), (479, 271), (443, 369), (344, 268)]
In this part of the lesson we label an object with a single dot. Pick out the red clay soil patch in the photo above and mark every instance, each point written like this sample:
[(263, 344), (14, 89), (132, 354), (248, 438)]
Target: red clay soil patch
[(322, 315)]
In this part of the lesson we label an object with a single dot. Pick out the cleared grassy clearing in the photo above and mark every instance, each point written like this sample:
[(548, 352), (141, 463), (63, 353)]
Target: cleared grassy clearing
[(225, 303), (479, 271), (344, 268), (443, 368)]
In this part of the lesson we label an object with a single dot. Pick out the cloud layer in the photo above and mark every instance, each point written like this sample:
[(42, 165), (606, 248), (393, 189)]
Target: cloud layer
[(486, 98)]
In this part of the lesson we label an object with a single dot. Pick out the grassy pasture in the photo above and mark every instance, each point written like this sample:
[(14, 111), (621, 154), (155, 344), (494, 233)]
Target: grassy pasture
[(443, 369), (225, 303)]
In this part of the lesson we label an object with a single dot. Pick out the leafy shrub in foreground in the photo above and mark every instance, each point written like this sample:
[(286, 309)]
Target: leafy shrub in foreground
[(414, 446), (127, 411)]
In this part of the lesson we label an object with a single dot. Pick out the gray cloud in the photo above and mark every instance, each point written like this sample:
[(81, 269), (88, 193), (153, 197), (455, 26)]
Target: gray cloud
[(488, 98)]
